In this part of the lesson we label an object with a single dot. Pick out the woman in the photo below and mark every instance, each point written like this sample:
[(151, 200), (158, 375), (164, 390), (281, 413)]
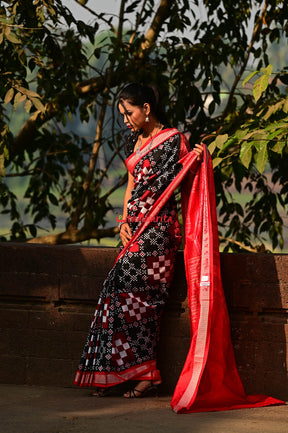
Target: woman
[(123, 338)]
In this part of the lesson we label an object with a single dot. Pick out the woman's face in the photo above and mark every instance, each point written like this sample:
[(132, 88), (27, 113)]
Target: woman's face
[(133, 115)]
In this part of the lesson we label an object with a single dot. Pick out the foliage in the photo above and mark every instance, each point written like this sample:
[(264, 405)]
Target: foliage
[(243, 155), (61, 69)]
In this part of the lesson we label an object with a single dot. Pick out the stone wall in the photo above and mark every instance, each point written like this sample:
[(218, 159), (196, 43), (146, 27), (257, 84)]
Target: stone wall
[(48, 296)]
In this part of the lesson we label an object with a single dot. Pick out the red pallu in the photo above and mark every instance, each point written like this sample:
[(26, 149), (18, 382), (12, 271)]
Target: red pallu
[(209, 380)]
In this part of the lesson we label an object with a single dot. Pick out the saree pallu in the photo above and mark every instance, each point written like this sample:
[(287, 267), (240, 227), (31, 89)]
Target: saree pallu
[(123, 337), (209, 380)]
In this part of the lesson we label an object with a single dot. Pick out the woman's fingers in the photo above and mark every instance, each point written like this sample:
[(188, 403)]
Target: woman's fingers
[(125, 233), (198, 149)]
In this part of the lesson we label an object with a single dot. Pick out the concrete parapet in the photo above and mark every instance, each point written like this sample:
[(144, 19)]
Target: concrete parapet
[(48, 295)]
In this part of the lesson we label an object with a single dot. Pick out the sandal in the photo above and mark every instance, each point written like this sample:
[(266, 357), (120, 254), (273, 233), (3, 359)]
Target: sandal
[(137, 393)]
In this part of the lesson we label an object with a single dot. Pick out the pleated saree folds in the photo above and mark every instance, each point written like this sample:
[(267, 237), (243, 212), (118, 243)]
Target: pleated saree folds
[(123, 336)]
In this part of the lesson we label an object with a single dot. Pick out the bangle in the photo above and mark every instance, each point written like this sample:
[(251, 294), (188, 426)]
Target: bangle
[(120, 224)]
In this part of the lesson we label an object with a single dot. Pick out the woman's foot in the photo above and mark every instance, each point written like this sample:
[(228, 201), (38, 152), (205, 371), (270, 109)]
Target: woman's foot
[(143, 388), (100, 392)]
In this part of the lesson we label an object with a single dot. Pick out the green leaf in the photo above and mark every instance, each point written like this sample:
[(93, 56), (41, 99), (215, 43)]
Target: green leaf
[(27, 92), (217, 161), (38, 104), (268, 70), (53, 199), (212, 147), (9, 95), (246, 153), (28, 106), (220, 140), (13, 38), (262, 158), (260, 86), (241, 133), (228, 143), (249, 77), (19, 97), (279, 146), (275, 133)]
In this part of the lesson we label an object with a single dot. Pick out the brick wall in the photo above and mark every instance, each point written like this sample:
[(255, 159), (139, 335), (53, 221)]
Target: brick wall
[(48, 296)]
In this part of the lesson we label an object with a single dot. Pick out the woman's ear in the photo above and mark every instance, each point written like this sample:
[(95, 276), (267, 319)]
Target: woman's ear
[(147, 108)]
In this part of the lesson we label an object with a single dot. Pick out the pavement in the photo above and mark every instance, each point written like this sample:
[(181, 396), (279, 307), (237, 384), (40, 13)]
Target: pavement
[(39, 409)]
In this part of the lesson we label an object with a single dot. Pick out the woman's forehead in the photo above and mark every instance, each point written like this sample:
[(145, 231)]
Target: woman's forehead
[(126, 106)]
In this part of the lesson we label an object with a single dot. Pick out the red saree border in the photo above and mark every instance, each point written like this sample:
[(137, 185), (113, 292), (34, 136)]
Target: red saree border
[(105, 380), (158, 139)]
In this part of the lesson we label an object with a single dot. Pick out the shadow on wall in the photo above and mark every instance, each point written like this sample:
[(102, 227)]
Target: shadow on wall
[(48, 295), (53, 273), (175, 330), (256, 290)]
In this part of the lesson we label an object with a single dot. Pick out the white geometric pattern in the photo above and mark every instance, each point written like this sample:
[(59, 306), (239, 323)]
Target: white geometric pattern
[(133, 307), (104, 314), (121, 351), (159, 268)]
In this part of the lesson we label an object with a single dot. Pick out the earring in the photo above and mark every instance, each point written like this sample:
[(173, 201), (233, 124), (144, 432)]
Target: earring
[(147, 118)]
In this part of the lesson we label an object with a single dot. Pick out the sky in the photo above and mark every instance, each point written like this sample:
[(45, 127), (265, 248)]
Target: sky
[(107, 6)]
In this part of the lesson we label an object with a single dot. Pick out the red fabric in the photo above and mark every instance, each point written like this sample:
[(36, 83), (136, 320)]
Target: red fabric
[(105, 380), (209, 380)]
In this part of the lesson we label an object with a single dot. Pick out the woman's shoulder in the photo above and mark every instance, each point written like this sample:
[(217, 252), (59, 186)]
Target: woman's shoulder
[(182, 137), (172, 131)]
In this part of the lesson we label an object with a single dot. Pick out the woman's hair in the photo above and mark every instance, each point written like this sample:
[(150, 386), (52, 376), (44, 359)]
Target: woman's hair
[(138, 95)]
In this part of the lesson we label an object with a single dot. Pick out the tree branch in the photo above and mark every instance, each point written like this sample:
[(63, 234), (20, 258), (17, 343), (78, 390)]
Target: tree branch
[(138, 22), (75, 236), (97, 143), (121, 19), (160, 17), (256, 31), (120, 182), (240, 244), (94, 85)]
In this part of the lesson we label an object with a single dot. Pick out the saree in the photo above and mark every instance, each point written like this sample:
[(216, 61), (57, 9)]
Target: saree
[(123, 337), (122, 340)]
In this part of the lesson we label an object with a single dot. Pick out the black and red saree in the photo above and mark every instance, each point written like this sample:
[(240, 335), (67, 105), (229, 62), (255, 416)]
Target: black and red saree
[(123, 337)]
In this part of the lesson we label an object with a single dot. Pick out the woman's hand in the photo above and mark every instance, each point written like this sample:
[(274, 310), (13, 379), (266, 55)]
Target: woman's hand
[(125, 233), (198, 149)]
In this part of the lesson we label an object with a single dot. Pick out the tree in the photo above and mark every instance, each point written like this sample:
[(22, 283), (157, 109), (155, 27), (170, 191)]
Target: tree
[(59, 67)]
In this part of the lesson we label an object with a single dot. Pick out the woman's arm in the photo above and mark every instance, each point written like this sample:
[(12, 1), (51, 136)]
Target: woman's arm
[(125, 231)]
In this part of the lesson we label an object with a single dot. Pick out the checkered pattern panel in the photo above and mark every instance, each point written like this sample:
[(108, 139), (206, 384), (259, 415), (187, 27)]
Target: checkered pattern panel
[(160, 269), (134, 307), (121, 350)]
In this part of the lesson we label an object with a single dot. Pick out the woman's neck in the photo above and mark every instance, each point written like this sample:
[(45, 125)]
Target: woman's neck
[(151, 129)]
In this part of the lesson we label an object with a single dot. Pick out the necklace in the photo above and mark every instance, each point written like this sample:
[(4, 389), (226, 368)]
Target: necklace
[(140, 152)]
